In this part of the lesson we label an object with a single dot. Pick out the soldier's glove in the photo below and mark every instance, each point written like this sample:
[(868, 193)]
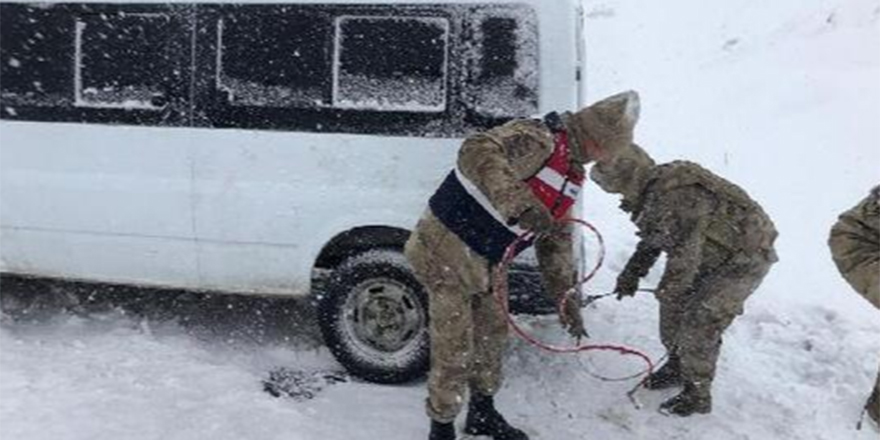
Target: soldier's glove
[(571, 317), (627, 284), (536, 219)]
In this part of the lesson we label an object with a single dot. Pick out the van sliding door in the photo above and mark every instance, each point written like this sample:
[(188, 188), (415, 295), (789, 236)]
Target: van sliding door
[(325, 117)]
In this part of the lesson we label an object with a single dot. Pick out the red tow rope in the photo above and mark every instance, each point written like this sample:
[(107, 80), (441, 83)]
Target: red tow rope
[(500, 288)]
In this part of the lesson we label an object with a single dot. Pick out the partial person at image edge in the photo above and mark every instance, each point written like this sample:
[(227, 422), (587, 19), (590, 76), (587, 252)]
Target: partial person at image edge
[(855, 248)]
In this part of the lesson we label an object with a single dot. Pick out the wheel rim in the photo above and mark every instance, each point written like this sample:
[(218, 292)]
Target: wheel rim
[(383, 316)]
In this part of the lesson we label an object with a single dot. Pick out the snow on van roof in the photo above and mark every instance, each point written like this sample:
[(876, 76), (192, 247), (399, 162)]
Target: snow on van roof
[(536, 3)]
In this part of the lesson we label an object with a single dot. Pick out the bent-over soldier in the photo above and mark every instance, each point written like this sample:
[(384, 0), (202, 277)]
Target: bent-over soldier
[(719, 247)]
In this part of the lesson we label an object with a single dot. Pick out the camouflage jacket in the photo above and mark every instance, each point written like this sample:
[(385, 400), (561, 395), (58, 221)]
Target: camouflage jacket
[(701, 221), (498, 162), (855, 246)]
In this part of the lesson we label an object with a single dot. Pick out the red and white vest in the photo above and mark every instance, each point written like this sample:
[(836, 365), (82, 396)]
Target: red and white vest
[(557, 185)]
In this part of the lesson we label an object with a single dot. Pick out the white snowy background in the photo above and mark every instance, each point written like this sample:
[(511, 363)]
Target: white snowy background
[(781, 97)]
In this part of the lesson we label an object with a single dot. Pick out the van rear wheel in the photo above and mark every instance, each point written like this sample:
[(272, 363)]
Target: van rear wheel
[(373, 316)]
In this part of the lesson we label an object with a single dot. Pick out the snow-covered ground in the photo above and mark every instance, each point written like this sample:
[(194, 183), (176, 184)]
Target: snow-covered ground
[(782, 97)]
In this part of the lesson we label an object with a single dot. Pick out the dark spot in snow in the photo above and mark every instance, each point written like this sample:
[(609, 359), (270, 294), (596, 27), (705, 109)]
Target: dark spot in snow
[(830, 316), (730, 44), (831, 19), (601, 11), (808, 345), (300, 385)]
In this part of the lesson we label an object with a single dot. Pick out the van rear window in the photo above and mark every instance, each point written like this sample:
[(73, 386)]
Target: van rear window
[(391, 63)]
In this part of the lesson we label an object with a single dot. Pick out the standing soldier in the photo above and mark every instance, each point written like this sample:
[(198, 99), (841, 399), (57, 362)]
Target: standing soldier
[(518, 177), (855, 247), (719, 246)]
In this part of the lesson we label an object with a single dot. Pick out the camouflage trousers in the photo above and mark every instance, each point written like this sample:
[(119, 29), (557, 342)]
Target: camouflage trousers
[(467, 327), (691, 324)]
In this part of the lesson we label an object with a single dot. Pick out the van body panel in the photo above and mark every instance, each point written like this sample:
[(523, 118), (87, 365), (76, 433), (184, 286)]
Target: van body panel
[(278, 198), (86, 256), (91, 202)]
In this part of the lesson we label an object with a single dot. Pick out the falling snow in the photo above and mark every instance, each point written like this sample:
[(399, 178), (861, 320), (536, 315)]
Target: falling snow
[(788, 112)]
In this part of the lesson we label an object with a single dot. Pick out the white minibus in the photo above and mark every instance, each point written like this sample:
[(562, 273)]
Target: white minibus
[(268, 148)]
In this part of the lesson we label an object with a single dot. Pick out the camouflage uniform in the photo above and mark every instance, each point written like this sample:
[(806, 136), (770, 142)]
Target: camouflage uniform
[(855, 247), (719, 247), (468, 330)]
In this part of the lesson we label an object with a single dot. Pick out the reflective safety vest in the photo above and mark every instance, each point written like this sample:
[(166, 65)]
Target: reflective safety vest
[(467, 212)]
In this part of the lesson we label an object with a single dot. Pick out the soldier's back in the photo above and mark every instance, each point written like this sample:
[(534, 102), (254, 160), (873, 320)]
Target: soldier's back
[(737, 222)]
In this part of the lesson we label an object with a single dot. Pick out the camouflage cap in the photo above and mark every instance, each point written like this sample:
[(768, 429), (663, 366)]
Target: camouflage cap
[(608, 124)]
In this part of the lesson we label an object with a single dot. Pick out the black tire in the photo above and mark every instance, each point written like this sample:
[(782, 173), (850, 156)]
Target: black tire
[(374, 318)]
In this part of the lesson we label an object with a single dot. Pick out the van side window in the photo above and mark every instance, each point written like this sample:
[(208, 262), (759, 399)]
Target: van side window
[(120, 61), (504, 59), (34, 47), (277, 61), (390, 63)]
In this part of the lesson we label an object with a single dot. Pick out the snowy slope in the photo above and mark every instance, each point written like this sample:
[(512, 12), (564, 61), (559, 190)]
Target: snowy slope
[(781, 97)]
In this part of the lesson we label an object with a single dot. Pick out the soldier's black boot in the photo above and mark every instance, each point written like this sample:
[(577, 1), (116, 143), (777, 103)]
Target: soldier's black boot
[(442, 431), (693, 400), (667, 376), (484, 419)]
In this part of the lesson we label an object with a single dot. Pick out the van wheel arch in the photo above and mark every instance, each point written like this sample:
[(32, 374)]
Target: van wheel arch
[(357, 241)]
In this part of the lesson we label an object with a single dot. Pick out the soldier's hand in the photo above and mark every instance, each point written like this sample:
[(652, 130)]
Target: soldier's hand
[(536, 219), (627, 285), (571, 317)]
